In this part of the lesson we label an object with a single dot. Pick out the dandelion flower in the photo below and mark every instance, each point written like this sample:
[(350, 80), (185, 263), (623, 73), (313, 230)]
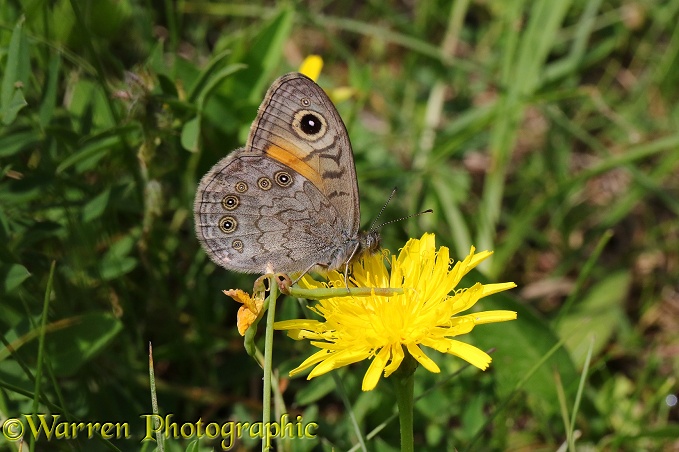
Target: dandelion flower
[(381, 327)]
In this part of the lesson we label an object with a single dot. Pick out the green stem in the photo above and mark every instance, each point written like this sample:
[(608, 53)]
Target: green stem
[(350, 411), (404, 383), (154, 401), (41, 347), (268, 354), (319, 294), (582, 277)]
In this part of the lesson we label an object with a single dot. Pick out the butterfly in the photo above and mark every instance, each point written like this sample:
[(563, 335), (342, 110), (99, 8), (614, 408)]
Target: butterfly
[(288, 201)]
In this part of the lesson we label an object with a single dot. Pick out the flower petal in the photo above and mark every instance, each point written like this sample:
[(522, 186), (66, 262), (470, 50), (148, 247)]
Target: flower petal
[(298, 324), (335, 360), (397, 356), (493, 316), (476, 259), (244, 319), (423, 359), (310, 361), (307, 282), (312, 66), (248, 313), (473, 355), (299, 335), (372, 376), (490, 289)]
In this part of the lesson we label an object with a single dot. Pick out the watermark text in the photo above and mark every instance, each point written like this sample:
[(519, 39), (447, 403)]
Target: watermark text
[(55, 427), (229, 431)]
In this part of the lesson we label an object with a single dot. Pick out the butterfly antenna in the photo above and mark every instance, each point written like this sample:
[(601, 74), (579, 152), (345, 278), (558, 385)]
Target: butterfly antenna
[(393, 192), (372, 228), (404, 218)]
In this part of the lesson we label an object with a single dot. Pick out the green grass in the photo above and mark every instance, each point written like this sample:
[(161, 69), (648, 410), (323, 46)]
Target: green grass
[(545, 131)]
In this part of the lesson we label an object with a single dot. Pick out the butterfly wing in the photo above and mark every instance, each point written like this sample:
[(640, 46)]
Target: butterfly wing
[(298, 126), (254, 215), (289, 199)]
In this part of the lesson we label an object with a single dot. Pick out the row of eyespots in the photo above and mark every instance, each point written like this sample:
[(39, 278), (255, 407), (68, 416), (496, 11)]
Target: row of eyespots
[(229, 224)]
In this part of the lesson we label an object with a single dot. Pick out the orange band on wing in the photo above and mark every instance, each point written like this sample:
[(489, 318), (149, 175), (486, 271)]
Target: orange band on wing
[(290, 160)]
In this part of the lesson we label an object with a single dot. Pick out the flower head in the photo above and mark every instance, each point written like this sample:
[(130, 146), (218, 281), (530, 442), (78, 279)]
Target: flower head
[(379, 327), (248, 313)]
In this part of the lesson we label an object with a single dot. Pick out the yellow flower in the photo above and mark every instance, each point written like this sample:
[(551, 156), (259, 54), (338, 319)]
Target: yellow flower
[(311, 67), (248, 313), (379, 327)]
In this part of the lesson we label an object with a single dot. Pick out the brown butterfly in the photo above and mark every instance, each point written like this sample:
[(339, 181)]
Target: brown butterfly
[(288, 201)]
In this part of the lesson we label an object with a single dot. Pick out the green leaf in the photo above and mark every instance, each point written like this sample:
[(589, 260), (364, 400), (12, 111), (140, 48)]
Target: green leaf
[(10, 111), (600, 313), (17, 142), (16, 75), (191, 134), (49, 98), (92, 152), (193, 446), (315, 389), (112, 269), (215, 63), (70, 348), (13, 276), (167, 86), (267, 51), (214, 82), (519, 344), (94, 148), (117, 262), (260, 58), (88, 102), (96, 207)]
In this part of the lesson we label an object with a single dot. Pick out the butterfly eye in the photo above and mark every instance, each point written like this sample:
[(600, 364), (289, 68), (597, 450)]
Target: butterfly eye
[(309, 125), (227, 224)]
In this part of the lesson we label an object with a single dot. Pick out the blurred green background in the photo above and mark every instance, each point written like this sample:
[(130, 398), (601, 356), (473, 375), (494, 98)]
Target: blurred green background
[(545, 130)]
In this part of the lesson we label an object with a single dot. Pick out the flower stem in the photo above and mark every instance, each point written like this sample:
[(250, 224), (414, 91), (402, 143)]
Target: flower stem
[(404, 383), (268, 358), (319, 294)]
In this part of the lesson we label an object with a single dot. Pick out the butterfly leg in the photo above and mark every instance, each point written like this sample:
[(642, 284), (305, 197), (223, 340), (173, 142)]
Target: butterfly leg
[(308, 269), (346, 265)]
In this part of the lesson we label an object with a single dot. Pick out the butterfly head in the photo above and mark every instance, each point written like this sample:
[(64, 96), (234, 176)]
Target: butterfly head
[(369, 241)]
